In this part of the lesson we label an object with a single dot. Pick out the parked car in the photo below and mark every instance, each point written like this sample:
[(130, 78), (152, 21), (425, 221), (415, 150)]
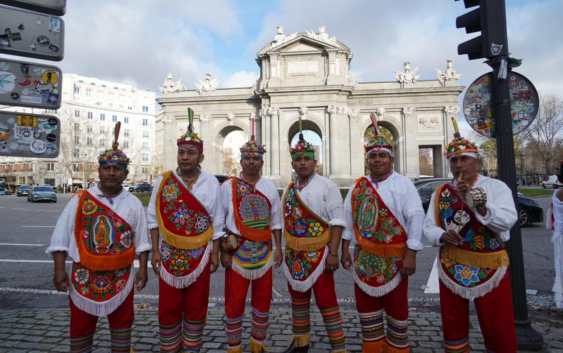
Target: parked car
[(23, 190), (5, 191), (42, 193), (143, 187), (128, 187), (221, 178), (529, 209), (552, 182)]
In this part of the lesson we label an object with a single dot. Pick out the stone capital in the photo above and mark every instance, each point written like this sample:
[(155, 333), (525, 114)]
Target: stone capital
[(454, 109), (273, 111), (353, 113), (204, 118), (408, 110), (168, 119), (332, 109)]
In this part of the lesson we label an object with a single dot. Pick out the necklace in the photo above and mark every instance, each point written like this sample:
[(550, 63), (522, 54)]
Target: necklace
[(252, 185), (377, 181), (189, 183), (301, 187), (110, 197)]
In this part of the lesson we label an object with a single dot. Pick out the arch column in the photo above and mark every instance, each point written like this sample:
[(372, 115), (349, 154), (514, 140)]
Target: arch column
[(275, 143), (339, 145)]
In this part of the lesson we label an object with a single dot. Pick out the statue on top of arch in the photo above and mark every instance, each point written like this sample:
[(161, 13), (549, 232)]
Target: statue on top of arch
[(323, 36), (449, 74), (169, 86), (208, 85), (280, 38)]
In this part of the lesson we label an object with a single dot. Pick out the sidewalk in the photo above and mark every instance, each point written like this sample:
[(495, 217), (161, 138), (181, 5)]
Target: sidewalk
[(47, 331)]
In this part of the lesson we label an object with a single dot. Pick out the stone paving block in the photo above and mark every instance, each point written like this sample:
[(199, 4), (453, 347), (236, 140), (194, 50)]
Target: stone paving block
[(430, 344)]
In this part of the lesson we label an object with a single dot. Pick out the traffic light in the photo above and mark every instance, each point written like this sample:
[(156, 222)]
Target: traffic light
[(490, 19)]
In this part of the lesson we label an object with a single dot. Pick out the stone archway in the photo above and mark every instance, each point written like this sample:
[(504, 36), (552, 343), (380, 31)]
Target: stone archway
[(218, 149)]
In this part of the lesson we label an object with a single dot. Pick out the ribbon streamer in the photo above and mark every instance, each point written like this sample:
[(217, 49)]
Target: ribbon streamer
[(116, 131), (190, 119)]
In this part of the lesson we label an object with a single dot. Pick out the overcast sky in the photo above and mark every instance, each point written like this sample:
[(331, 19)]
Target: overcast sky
[(140, 41)]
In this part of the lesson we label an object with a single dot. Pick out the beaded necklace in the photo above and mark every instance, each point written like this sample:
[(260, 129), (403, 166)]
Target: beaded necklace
[(383, 178), (301, 187), (110, 197), (189, 183)]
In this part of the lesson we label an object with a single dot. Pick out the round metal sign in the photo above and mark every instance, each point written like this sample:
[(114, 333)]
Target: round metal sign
[(524, 103)]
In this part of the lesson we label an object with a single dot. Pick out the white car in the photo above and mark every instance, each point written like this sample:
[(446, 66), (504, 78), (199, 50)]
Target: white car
[(552, 182)]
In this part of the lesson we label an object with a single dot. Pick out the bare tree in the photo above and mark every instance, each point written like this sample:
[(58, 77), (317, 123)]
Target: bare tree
[(544, 136)]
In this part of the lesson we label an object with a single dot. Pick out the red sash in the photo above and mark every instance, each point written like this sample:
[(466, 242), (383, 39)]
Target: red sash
[(381, 240), (182, 220), (103, 238), (252, 211), (99, 286)]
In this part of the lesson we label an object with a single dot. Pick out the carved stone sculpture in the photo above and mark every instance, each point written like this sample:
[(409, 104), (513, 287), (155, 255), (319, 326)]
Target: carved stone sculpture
[(407, 76), (449, 74), (273, 111), (303, 112), (332, 109), (323, 37), (280, 38), (207, 86), (380, 112), (169, 86), (167, 119), (230, 116)]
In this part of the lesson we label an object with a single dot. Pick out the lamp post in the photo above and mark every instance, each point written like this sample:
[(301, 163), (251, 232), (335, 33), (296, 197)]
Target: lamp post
[(522, 167), (84, 171)]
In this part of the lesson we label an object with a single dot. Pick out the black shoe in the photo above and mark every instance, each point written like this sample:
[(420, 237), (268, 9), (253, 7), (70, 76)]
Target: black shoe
[(293, 349)]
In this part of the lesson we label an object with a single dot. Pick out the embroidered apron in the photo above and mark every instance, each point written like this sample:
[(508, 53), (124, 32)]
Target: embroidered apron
[(252, 211), (476, 267), (380, 241), (101, 281), (306, 237), (186, 230)]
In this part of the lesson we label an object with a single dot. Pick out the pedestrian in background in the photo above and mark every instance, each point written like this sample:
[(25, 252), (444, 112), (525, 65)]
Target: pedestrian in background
[(554, 222)]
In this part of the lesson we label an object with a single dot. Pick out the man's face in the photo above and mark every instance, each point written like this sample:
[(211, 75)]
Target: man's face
[(188, 159), (112, 176), (380, 163), (251, 165), (464, 164), (304, 165)]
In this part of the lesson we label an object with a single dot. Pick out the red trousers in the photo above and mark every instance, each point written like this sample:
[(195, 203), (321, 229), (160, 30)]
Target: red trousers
[(396, 307), (83, 327), (236, 289), (182, 313), (495, 314), (325, 297)]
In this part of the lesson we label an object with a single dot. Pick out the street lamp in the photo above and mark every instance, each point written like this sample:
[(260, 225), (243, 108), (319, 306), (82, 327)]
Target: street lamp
[(83, 171)]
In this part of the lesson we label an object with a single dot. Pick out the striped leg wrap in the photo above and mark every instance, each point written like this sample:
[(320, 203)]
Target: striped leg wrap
[(301, 316), (234, 334), (191, 335), (82, 344), (397, 336), (461, 346), (260, 323), (170, 337), (333, 324), (373, 338), (121, 340)]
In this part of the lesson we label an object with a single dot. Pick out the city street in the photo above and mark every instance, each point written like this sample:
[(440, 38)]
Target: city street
[(26, 271)]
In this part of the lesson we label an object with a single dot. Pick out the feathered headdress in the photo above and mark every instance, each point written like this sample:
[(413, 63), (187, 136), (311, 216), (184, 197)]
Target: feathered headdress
[(302, 147), (460, 145), (375, 141), (114, 155), (190, 138), (252, 148)]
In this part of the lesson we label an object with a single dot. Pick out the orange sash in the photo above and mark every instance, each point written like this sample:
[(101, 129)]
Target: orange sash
[(104, 240)]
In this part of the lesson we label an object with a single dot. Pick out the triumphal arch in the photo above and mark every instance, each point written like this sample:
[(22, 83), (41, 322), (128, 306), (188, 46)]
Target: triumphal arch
[(307, 75)]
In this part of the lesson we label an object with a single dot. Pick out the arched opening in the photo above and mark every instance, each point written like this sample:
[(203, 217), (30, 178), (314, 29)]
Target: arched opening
[(312, 134), (388, 133), (233, 138)]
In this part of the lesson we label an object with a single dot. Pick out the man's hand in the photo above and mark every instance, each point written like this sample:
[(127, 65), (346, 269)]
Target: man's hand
[(226, 259), (155, 261), (141, 279), (278, 257), (451, 237), (409, 263), (61, 280), (331, 263), (482, 210), (214, 262), (462, 187), (346, 259)]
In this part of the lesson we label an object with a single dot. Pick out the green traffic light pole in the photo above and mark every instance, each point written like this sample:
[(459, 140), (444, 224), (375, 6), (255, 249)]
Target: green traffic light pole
[(528, 338)]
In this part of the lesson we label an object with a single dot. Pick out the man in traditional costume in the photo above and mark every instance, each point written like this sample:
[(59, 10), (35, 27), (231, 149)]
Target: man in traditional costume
[(253, 209), (313, 224), (384, 217), (554, 222), (184, 215), (102, 229), (470, 219)]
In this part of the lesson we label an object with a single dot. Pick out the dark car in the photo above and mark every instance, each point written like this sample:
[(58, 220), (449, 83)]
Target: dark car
[(143, 187), (221, 178), (23, 190), (529, 209)]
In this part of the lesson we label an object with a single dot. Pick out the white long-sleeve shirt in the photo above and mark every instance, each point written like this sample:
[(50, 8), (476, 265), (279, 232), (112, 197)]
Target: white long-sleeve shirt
[(263, 185), (501, 211), (126, 205), (401, 198), (208, 193), (323, 197)]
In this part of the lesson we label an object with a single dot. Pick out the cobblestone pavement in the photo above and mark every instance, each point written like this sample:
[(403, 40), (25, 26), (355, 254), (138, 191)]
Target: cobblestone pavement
[(48, 331)]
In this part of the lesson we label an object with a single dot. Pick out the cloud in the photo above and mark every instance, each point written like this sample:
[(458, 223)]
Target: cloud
[(240, 79)]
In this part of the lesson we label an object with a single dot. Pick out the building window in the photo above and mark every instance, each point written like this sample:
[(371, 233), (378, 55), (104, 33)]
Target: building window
[(114, 118), (102, 142), (145, 122), (102, 117), (50, 167), (90, 115), (102, 129), (110, 105), (90, 128), (77, 140), (88, 93), (145, 109), (121, 106), (126, 144), (100, 94), (89, 141), (145, 157), (126, 120), (145, 133), (76, 167), (130, 108), (77, 153), (76, 127), (145, 145), (76, 90), (77, 113), (126, 131)]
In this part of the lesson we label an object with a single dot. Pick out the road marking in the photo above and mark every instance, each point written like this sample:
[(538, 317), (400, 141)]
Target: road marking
[(2, 207), (23, 209), (38, 226), (12, 244)]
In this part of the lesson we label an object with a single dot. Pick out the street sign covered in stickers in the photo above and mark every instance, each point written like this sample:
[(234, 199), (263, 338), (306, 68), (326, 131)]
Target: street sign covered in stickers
[(31, 34), (28, 84), (30, 136), (524, 104), (52, 7)]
